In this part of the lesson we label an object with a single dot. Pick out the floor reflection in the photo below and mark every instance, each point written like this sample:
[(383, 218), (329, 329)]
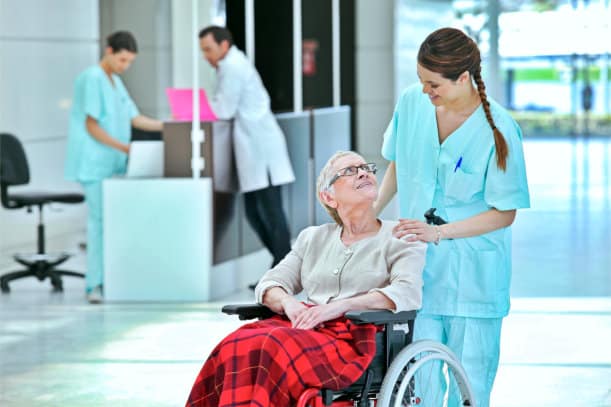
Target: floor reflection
[(561, 243)]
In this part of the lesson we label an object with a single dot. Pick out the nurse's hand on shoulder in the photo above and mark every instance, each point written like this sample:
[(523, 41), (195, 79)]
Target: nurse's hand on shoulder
[(412, 230)]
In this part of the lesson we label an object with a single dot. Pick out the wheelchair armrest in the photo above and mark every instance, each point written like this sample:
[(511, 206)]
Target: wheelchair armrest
[(248, 311), (380, 317)]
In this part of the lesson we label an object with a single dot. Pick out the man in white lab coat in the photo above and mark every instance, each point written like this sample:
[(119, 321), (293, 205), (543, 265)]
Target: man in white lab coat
[(259, 145)]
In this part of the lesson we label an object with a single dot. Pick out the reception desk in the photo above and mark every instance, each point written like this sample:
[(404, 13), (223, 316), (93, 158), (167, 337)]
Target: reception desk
[(158, 233), (219, 166), (157, 240)]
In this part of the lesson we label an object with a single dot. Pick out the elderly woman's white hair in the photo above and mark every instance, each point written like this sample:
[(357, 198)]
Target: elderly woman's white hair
[(324, 178)]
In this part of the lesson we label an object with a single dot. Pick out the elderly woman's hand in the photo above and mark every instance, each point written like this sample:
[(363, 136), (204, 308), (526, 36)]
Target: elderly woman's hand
[(412, 230), (315, 316), (293, 308)]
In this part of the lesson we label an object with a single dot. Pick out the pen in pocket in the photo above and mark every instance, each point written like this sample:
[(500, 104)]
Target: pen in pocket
[(458, 163)]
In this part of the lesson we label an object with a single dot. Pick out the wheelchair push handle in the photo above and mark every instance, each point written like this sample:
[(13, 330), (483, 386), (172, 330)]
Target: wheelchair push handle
[(433, 219)]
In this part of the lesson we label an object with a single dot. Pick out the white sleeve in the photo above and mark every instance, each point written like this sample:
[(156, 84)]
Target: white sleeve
[(228, 91), (287, 273)]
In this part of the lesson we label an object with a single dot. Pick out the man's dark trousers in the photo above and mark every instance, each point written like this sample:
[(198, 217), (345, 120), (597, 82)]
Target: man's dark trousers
[(266, 216)]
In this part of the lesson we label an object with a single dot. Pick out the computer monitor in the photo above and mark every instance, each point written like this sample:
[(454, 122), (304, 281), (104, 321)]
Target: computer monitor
[(145, 159), (181, 105)]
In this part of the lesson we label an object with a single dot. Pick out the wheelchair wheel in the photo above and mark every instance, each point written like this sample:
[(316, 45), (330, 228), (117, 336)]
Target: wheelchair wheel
[(425, 374)]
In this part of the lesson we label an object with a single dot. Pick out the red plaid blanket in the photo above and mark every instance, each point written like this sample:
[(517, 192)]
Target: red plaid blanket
[(268, 363)]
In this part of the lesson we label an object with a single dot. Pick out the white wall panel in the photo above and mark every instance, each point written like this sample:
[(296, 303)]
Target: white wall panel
[(44, 45), (66, 20), (376, 80), (373, 120), (46, 160), (37, 83), (147, 79), (147, 20), (151, 23)]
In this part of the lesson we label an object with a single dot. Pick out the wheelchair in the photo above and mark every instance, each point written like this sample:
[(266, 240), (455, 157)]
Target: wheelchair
[(402, 373)]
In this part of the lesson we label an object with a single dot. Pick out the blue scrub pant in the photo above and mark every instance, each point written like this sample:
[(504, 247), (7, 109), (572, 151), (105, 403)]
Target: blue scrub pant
[(95, 249), (474, 341)]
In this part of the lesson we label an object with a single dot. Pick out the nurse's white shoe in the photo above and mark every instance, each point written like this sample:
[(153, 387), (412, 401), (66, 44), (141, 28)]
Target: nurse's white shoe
[(95, 295)]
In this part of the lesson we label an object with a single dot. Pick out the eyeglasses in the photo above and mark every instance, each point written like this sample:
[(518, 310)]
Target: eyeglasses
[(353, 170)]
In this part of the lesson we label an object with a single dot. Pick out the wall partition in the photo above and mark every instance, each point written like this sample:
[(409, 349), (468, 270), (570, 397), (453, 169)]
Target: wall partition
[(43, 47)]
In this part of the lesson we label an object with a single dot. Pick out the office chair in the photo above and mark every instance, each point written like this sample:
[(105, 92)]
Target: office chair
[(14, 170)]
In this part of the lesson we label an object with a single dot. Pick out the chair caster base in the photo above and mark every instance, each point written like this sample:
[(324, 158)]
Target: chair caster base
[(58, 285)]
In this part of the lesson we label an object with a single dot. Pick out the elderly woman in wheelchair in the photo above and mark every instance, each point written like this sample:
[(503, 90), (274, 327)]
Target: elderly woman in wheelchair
[(307, 352)]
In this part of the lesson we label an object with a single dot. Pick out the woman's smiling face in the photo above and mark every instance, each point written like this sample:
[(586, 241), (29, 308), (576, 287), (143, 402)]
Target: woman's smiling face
[(439, 89), (352, 189)]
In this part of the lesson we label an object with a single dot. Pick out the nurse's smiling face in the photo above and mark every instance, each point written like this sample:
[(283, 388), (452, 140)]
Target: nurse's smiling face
[(439, 89)]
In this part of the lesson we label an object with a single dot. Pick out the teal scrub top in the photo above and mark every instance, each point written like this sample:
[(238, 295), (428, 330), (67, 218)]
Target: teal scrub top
[(95, 95), (466, 277)]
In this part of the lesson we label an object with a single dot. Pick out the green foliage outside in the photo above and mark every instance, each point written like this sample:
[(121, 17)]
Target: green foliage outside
[(554, 75), (539, 124), (536, 124)]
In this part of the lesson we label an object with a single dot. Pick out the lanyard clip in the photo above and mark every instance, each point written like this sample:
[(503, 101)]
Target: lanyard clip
[(433, 219)]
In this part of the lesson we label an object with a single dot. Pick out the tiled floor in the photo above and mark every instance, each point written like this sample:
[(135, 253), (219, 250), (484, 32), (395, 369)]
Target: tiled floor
[(55, 350)]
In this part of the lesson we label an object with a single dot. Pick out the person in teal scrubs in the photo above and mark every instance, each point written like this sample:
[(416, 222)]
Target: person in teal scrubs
[(452, 148), (98, 141)]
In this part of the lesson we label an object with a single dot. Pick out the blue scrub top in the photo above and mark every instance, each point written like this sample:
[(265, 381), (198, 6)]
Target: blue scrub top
[(95, 95), (466, 277)]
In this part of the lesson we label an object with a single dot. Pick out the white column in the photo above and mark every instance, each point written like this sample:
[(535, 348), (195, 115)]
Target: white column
[(297, 52), (494, 81), (575, 67), (373, 74), (197, 134), (604, 82), (336, 54), (605, 76), (249, 12)]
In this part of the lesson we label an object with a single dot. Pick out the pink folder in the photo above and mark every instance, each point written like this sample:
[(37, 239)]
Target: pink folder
[(181, 105)]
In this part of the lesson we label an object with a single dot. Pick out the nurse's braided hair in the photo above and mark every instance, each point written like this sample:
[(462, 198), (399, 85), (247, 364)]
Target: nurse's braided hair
[(450, 52)]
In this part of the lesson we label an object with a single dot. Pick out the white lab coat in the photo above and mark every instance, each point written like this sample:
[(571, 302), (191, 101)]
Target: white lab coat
[(258, 142)]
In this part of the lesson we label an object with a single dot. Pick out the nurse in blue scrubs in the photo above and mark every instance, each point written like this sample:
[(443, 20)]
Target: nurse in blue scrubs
[(98, 141), (452, 148)]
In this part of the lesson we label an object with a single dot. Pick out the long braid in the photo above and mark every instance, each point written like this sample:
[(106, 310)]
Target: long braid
[(499, 141)]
